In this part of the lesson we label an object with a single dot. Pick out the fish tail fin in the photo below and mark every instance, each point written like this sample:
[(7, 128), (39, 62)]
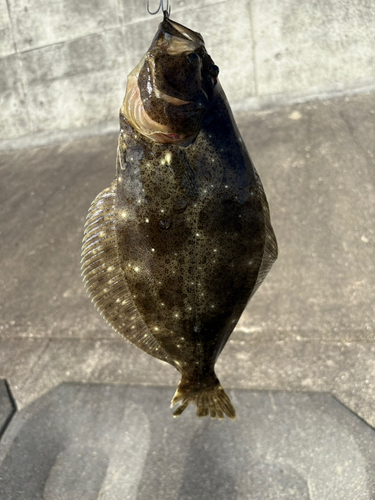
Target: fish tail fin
[(211, 400)]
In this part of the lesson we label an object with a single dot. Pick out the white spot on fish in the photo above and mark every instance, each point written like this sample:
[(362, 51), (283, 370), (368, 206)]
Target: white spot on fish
[(147, 220), (168, 157), (136, 269)]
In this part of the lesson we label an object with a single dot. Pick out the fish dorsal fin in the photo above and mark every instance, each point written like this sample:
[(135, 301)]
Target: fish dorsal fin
[(104, 279)]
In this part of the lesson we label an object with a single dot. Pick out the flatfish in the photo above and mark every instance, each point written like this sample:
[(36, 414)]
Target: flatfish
[(178, 243)]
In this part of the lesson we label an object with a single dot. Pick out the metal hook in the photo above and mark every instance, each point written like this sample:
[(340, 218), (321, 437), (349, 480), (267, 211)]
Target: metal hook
[(161, 6)]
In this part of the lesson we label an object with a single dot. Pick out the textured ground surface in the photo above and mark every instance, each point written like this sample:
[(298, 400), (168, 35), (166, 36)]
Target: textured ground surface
[(310, 327), (120, 443)]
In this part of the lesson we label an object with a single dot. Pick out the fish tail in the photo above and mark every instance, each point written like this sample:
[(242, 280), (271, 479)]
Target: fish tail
[(211, 400)]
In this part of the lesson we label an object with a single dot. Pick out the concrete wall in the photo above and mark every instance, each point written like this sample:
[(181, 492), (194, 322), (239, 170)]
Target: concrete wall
[(63, 64)]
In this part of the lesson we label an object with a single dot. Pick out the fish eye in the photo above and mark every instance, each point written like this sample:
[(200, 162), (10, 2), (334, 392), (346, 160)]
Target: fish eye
[(213, 70), (192, 58)]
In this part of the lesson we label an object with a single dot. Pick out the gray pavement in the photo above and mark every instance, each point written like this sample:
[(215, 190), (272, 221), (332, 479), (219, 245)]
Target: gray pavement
[(308, 330), (316, 162)]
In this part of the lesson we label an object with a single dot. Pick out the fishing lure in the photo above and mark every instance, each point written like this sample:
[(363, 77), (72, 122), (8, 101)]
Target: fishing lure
[(178, 243)]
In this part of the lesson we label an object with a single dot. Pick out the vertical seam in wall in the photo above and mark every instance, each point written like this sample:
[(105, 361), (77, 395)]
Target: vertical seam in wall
[(20, 70), (120, 13), (253, 45), (122, 31), (22, 85), (12, 28)]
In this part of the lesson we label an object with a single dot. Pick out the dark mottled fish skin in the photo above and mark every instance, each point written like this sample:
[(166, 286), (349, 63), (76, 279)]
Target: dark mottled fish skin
[(181, 240)]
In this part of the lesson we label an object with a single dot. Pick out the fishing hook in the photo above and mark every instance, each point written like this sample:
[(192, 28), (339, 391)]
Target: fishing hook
[(161, 6)]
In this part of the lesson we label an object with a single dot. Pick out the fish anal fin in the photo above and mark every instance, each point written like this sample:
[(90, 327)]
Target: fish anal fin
[(104, 279)]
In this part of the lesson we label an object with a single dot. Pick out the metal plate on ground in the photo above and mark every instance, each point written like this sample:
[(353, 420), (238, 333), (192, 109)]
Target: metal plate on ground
[(7, 406), (105, 442)]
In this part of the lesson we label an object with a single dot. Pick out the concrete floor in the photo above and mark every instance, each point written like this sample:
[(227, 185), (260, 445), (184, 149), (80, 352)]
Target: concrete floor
[(309, 328)]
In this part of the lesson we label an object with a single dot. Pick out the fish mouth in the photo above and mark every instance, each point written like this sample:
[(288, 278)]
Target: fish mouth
[(152, 86), (169, 90), (176, 101), (133, 109), (190, 35)]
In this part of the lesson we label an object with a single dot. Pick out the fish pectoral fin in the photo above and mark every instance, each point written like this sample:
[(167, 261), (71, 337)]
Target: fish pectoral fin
[(104, 278), (210, 399)]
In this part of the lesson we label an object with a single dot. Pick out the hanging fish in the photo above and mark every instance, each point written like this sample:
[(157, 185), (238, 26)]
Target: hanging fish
[(178, 243)]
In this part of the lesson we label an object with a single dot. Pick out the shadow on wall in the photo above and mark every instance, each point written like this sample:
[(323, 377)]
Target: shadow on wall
[(120, 442)]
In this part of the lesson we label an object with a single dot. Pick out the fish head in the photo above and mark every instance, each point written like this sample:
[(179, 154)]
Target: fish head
[(170, 89)]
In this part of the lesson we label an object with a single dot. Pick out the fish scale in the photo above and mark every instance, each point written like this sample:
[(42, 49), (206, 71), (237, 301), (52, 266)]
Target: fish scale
[(178, 243)]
